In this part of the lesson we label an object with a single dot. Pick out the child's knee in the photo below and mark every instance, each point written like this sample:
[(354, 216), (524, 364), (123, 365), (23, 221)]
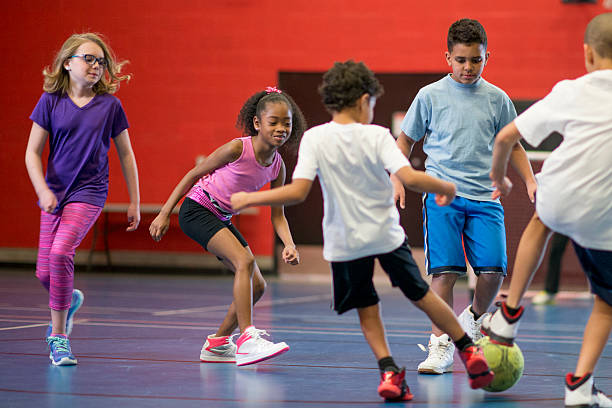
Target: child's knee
[(59, 259), (43, 276), (259, 287), (245, 263)]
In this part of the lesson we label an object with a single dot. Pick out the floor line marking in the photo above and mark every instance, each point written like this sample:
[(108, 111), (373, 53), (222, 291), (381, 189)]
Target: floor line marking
[(24, 327), (301, 299)]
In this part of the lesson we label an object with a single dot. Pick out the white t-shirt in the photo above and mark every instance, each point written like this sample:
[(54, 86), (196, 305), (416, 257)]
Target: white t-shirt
[(351, 161), (574, 194)]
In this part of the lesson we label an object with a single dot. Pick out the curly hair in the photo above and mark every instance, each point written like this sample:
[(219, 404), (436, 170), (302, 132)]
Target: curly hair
[(258, 102), (57, 78), (466, 31), (345, 83)]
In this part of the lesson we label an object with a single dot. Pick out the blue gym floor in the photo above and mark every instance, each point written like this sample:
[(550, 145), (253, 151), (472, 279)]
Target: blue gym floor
[(138, 337)]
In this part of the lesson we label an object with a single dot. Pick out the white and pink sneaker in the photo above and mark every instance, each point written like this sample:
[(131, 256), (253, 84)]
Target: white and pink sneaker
[(218, 350), (253, 349)]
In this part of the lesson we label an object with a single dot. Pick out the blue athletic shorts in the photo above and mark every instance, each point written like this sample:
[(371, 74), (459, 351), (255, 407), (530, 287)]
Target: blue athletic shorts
[(478, 224), (597, 266)]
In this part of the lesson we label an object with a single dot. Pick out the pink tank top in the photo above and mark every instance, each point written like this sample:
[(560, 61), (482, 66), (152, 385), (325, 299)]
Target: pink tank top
[(214, 190)]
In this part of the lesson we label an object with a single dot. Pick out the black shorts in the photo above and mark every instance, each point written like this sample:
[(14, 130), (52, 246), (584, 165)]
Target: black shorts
[(597, 265), (200, 224), (352, 280)]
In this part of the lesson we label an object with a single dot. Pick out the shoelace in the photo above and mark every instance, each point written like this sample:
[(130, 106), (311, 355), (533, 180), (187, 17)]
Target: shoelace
[(257, 333), (438, 351), (59, 344)]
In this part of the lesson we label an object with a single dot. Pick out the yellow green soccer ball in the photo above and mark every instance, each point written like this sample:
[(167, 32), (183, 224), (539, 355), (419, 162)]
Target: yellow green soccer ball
[(507, 364)]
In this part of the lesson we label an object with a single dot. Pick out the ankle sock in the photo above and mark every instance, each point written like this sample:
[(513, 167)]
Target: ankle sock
[(387, 364), (464, 342), (511, 310)]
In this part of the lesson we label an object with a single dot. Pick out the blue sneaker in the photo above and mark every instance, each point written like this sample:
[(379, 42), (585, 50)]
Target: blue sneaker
[(60, 353), (77, 301)]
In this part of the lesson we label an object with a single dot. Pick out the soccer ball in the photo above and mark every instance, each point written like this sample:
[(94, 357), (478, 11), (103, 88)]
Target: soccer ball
[(506, 362)]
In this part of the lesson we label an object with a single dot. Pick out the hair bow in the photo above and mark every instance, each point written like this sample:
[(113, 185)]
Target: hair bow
[(270, 89)]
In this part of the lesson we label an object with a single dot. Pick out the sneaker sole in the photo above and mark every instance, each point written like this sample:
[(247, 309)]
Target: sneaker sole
[(393, 393), (481, 380), (433, 372), (259, 358), (70, 319), (479, 373), (63, 362), (217, 359)]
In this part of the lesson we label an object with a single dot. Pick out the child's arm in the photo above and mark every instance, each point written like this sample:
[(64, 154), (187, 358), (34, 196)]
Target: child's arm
[(33, 161), (289, 194), (405, 144), (130, 173), (505, 141), (227, 153), (520, 163), (281, 226), (419, 181)]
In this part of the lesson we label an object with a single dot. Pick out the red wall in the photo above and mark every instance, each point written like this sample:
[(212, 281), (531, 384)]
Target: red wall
[(195, 62)]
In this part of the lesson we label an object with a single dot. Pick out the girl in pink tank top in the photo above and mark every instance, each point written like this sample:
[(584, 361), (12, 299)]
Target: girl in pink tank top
[(269, 119)]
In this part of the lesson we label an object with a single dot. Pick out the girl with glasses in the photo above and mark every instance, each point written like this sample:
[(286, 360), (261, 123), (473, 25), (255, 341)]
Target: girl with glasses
[(78, 114)]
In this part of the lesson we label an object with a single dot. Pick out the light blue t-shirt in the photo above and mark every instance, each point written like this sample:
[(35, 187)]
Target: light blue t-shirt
[(459, 123)]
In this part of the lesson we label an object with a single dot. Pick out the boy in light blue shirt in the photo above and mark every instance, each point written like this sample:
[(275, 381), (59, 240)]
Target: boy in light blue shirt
[(458, 118)]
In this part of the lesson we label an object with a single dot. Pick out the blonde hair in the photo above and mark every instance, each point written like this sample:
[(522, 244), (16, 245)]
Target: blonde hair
[(57, 78)]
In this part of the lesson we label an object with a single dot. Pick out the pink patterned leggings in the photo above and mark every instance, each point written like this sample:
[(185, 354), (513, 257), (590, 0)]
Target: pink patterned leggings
[(60, 235)]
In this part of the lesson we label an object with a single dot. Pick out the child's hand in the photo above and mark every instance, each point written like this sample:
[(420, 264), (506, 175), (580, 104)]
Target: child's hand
[(531, 190), (133, 215), (443, 199), (399, 193), (291, 255), (239, 201), (47, 201), (159, 227), (502, 187)]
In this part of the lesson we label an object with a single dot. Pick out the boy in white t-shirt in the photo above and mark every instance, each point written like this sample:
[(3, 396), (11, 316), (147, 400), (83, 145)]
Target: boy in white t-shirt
[(574, 198), (353, 159)]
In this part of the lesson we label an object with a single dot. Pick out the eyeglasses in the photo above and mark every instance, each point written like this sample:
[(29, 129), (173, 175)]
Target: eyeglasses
[(91, 59)]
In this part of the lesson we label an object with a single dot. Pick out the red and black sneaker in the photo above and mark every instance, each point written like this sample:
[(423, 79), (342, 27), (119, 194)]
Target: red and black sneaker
[(476, 366), (393, 386)]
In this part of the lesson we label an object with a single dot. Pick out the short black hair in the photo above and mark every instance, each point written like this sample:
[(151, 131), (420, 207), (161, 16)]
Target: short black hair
[(258, 102), (598, 35), (466, 31), (345, 82)]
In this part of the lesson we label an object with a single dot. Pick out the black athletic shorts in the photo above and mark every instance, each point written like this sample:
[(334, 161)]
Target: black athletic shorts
[(352, 280), (597, 265), (200, 224)]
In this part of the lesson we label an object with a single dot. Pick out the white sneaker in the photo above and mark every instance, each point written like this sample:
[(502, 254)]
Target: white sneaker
[(543, 298), (501, 326), (218, 350), (253, 349), (470, 325), (582, 393), (440, 357)]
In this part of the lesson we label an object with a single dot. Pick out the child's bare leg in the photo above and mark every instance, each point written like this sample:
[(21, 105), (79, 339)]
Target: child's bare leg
[(441, 315), (528, 258), (487, 287), (374, 330), (230, 322), (442, 285), (58, 321), (596, 334), (225, 245)]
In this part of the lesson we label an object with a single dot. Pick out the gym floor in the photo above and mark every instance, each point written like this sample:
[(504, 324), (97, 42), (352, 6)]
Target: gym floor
[(138, 337)]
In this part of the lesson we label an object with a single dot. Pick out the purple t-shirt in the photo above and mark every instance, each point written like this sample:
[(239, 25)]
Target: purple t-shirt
[(79, 139)]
